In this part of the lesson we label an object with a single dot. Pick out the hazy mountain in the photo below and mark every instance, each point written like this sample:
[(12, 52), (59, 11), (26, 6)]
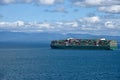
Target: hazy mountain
[(46, 37)]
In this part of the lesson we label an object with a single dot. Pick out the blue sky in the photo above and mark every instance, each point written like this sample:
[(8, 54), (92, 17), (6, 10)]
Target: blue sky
[(95, 17)]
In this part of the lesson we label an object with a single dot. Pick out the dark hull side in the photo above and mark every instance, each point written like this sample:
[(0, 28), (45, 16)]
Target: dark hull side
[(83, 47)]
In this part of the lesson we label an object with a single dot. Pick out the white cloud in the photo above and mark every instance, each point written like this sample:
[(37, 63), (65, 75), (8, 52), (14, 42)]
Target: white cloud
[(7, 24), (71, 24), (110, 9), (45, 25), (110, 6), (24, 1), (19, 23), (109, 24), (8, 1), (88, 2), (93, 19), (59, 9), (95, 2), (44, 2), (48, 2), (28, 1)]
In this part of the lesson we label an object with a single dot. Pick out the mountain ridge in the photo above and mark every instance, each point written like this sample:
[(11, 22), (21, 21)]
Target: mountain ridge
[(47, 37)]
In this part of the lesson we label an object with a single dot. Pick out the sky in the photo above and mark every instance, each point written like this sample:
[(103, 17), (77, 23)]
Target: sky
[(96, 17)]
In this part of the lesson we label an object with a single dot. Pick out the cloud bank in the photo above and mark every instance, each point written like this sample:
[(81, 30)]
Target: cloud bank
[(44, 2), (110, 9), (95, 2), (88, 25), (110, 6)]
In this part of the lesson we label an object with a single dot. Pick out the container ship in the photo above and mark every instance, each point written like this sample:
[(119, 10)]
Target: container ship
[(88, 44)]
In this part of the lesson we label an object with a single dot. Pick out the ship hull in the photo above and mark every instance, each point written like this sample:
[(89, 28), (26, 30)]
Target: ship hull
[(84, 47)]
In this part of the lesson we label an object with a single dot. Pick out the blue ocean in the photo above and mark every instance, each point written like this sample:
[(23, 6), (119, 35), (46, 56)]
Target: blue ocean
[(44, 63)]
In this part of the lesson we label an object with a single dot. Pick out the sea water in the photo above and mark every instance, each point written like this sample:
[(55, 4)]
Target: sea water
[(44, 63)]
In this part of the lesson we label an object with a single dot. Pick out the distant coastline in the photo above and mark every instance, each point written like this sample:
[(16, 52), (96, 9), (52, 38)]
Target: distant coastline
[(23, 44)]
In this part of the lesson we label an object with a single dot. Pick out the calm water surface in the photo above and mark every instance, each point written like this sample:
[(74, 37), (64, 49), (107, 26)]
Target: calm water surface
[(48, 64)]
